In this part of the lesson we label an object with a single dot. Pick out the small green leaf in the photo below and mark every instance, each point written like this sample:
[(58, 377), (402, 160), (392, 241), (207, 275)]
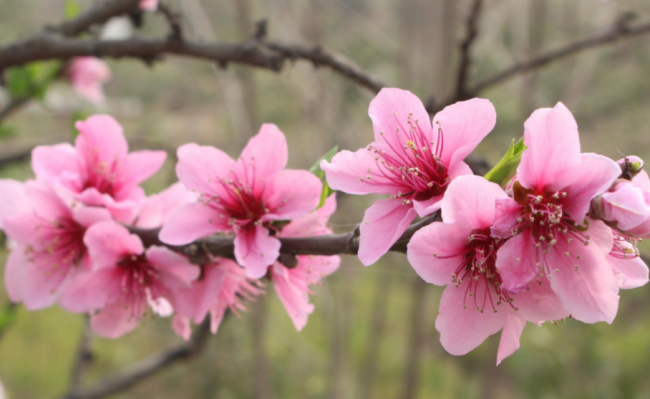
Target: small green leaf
[(19, 82), (72, 9), (320, 173), (507, 166)]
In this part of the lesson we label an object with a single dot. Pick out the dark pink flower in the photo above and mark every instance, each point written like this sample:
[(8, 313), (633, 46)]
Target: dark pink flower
[(87, 75), (411, 160), (292, 284), (242, 197), (50, 250), (98, 170), (126, 280), (462, 254), (222, 286), (552, 241)]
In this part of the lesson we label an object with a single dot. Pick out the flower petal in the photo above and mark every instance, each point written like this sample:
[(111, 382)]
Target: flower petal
[(13, 200), (510, 335), (506, 213), (462, 327), (437, 250), (200, 167), (116, 320), (383, 224), (141, 165), (471, 200), (551, 135), (195, 302), (108, 243), (539, 302), (516, 262), (630, 273), (101, 140), (193, 221), (265, 154), (595, 175), (256, 250), (90, 291), (291, 194), (175, 269), (60, 164), (464, 124), (291, 287)]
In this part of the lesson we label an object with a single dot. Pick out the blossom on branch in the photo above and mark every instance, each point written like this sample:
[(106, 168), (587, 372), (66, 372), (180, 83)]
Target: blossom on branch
[(99, 170), (127, 280), (461, 253), (550, 238), (87, 76), (242, 197), (149, 5), (411, 159)]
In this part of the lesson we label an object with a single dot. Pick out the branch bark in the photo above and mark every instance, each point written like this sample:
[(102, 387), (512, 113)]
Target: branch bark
[(466, 49)]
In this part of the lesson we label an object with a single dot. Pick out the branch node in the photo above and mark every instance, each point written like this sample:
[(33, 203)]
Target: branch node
[(261, 30)]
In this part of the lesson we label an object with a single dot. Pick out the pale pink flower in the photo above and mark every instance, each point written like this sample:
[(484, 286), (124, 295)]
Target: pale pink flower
[(126, 280), (626, 206), (242, 197), (292, 284), (98, 170), (149, 5), (13, 199), (629, 269), (552, 240), (87, 75), (158, 208), (222, 286), (411, 160), (462, 254), (49, 248)]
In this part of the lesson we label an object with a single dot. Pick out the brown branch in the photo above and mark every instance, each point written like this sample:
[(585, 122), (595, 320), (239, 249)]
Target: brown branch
[(466, 49), (97, 15), (620, 30), (147, 367), (173, 20)]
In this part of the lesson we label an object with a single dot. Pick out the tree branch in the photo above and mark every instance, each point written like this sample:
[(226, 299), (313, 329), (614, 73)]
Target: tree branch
[(466, 49), (97, 15), (620, 30), (147, 367)]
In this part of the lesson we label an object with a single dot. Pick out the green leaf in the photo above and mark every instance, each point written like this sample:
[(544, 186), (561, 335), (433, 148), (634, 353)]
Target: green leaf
[(8, 316), (32, 79), (507, 166), (320, 173), (19, 82), (72, 9)]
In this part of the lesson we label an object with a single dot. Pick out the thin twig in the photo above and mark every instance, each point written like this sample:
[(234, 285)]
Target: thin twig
[(620, 30), (147, 367), (173, 20), (466, 49)]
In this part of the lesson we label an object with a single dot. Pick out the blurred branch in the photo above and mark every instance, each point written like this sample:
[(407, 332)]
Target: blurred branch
[(97, 15), (174, 21), (466, 49), (620, 30), (82, 357), (147, 367)]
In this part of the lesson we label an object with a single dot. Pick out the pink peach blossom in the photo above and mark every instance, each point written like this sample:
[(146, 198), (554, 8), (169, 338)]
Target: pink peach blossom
[(629, 269), (149, 5), (50, 250), (13, 199), (242, 197), (222, 286), (552, 240), (126, 280), (87, 75), (98, 170), (292, 284), (158, 208), (411, 160), (461, 253)]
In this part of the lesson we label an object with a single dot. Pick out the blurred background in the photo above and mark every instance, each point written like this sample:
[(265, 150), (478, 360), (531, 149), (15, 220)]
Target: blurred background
[(372, 334)]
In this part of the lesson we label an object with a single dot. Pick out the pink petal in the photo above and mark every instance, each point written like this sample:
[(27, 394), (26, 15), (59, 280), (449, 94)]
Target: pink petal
[(551, 136), (292, 294), (256, 250), (462, 327), (60, 164), (516, 262), (437, 250), (108, 243), (192, 221), (312, 224), (506, 213), (141, 165), (101, 140), (90, 291), (195, 302), (150, 214), (45, 201), (319, 266), (390, 111), (150, 5), (427, 207), (200, 167), (86, 216), (464, 125), (15, 269), (291, 194), (625, 206), (348, 172), (471, 200), (87, 74), (630, 273), (22, 228), (539, 302), (13, 200), (173, 197), (175, 269), (510, 335), (181, 326), (116, 320), (383, 224), (642, 181), (590, 293), (265, 154), (595, 175), (41, 286)]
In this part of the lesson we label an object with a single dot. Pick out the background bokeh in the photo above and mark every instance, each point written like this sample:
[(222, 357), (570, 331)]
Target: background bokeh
[(372, 334)]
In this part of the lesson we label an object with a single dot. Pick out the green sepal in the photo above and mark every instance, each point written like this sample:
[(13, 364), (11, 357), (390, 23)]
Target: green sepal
[(507, 166), (72, 9), (320, 173)]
